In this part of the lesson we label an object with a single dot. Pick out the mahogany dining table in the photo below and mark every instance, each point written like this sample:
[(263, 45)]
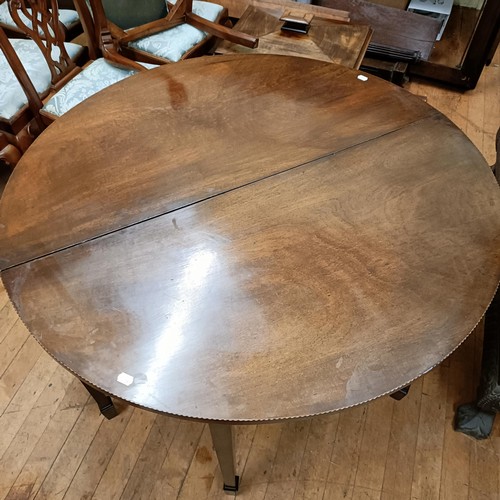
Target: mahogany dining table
[(250, 238)]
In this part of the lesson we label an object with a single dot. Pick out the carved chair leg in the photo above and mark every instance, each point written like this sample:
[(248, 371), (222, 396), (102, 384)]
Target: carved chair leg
[(104, 402), (24, 139), (10, 155)]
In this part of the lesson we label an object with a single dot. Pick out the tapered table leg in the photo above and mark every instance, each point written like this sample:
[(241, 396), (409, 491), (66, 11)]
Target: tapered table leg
[(222, 439), (104, 402)]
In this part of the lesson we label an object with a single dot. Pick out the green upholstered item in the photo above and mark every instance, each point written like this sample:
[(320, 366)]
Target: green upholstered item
[(131, 13)]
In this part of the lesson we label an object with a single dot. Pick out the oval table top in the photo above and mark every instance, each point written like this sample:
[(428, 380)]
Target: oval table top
[(250, 238)]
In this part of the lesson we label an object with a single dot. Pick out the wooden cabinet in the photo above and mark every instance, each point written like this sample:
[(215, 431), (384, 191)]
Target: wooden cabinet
[(467, 46), (468, 43)]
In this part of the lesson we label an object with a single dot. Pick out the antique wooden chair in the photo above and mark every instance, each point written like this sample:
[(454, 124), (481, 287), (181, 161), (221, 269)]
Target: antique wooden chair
[(21, 89), (68, 17), (69, 83), (151, 34)]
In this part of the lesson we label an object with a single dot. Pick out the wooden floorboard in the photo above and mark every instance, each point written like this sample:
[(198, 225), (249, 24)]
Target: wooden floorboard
[(55, 445)]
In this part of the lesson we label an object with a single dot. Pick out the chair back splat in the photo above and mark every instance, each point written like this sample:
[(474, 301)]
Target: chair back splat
[(42, 25), (32, 96), (67, 15)]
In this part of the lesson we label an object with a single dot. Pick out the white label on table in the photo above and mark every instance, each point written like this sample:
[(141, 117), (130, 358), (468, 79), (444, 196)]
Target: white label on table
[(125, 378), (363, 78)]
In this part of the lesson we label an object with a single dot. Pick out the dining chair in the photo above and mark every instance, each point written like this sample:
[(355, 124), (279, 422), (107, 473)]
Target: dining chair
[(69, 83), (159, 32), (68, 18), (25, 78)]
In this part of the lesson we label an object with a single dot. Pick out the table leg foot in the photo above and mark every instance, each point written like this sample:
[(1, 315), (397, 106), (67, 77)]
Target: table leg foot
[(105, 403), (222, 439), (232, 489)]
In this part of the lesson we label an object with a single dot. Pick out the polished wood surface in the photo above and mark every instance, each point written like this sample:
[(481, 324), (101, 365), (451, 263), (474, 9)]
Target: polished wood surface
[(55, 444), (236, 8), (198, 142), (326, 40), (342, 271)]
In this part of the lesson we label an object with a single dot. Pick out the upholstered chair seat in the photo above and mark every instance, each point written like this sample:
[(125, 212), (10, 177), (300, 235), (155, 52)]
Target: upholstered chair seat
[(12, 97), (69, 18), (174, 43), (96, 76), (160, 32)]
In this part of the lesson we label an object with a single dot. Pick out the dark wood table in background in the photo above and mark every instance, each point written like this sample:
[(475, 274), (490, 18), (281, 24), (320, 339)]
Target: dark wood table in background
[(326, 40), (244, 239)]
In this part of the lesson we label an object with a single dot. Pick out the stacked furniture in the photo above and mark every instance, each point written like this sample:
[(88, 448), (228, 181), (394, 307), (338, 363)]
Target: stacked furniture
[(294, 29), (42, 77)]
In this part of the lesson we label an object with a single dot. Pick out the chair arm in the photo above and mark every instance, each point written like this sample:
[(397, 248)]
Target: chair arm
[(150, 29), (115, 58), (221, 31)]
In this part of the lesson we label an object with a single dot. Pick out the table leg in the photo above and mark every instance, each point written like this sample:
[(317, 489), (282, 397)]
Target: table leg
[(222, 439), (105, 403), (401, 393)]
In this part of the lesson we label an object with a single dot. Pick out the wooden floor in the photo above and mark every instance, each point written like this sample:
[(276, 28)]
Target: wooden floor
[(54, 444)]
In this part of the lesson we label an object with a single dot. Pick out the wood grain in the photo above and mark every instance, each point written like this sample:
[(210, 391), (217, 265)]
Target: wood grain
[(236, 8), (34, 365), (408, 272), (184, 138), (450, 50), (430, 435), (337, 42), (391, 27)]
